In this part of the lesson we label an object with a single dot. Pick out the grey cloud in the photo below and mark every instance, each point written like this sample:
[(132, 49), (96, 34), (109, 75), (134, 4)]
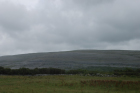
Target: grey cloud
[(88, 3), (13, 17), (56, 25), (124, 21), (108, 26)]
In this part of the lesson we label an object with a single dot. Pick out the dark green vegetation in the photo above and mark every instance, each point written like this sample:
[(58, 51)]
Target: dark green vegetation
[(73, 59), (26, 71), (68, 84), (127, 72)]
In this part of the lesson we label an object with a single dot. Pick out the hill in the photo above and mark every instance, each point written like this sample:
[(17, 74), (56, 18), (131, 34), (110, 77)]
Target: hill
[(73, 59)]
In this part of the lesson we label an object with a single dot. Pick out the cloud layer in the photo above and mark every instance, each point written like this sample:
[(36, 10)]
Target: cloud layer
[(57, 25)]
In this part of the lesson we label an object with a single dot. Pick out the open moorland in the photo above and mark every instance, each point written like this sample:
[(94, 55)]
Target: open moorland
[(68, 84)]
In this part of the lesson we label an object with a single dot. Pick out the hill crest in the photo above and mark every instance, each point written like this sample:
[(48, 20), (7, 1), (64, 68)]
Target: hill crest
[(73, 59)]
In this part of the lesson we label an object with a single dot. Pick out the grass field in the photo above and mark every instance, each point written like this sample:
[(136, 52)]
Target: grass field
[(68, 84)]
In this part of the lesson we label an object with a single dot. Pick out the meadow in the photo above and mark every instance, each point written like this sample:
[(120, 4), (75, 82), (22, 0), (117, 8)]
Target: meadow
[(68, 84)]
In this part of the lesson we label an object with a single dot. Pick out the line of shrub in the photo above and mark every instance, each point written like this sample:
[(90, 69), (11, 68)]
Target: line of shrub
[(27, 71), (127, 72)]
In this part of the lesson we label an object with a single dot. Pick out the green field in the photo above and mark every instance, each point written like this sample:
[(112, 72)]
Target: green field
[(68, 84)]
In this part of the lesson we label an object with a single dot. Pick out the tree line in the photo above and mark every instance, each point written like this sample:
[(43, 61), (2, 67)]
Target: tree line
[(127, 72), (27, 71)]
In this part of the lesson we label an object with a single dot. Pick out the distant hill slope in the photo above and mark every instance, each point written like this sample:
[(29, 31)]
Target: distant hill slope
[(73, 59)]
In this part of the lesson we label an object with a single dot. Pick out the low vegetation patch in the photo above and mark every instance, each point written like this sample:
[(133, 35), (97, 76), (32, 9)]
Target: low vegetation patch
[(25, 80), (68, 84)]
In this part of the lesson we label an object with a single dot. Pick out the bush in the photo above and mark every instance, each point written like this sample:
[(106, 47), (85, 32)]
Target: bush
[(127, 72)]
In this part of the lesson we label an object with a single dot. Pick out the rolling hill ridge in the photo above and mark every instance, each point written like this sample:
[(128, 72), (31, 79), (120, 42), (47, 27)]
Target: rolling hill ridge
[(73, 59)]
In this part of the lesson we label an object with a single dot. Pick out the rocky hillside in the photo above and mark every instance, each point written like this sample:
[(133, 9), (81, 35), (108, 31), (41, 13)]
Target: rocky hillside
[(73, 59)]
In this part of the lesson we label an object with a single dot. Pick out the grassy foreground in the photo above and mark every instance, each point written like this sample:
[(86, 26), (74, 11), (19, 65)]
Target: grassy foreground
[(68, 84)]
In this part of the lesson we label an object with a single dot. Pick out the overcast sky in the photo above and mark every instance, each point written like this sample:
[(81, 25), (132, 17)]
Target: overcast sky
[(28, 26)]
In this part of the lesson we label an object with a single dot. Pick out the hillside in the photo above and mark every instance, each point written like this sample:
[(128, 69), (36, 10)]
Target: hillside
[(73, 59)]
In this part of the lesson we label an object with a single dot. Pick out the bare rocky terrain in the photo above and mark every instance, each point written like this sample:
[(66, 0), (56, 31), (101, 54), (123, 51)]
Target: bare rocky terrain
[(73, 59)]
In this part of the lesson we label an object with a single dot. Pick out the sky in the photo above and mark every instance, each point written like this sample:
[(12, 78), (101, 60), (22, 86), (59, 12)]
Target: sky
[(30, 26)]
